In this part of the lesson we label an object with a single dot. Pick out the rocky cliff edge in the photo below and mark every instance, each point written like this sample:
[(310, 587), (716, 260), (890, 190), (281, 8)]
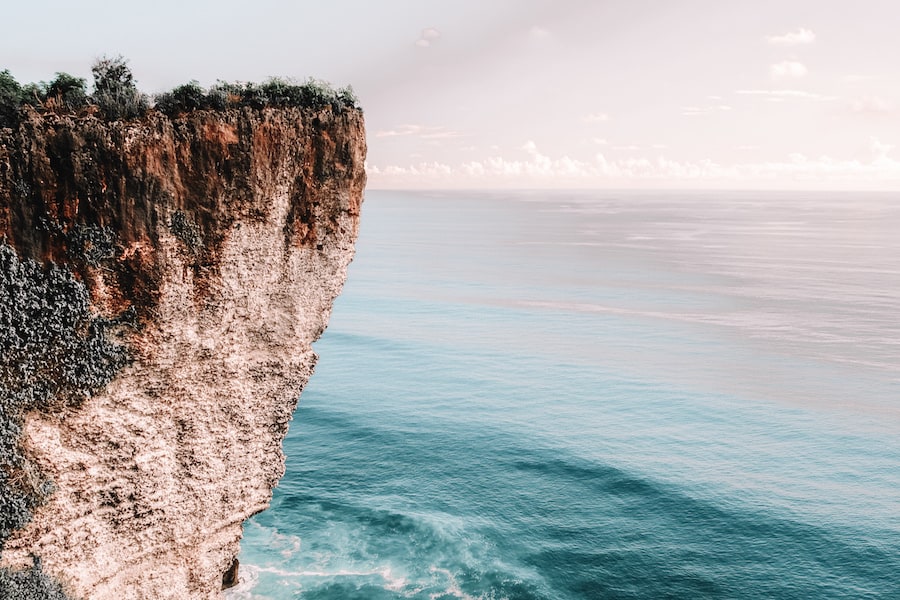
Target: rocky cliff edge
[(162, 282)]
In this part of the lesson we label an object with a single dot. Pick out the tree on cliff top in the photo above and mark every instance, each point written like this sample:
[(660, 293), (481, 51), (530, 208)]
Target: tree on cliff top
[(10, 99), (116, 96), (115, 92), (68, 91)]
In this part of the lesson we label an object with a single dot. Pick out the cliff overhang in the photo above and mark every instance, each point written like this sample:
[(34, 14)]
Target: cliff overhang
[(163, 280)]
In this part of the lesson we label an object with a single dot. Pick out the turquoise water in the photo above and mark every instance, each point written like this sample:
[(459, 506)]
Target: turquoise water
[(600, 395)]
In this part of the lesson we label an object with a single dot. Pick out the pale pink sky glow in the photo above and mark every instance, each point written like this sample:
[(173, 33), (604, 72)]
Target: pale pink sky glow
[(526, 93)]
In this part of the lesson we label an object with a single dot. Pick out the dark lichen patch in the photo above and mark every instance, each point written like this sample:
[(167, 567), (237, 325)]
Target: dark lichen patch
[(29, 584), (91, 243), (186, 231), (53, 355)]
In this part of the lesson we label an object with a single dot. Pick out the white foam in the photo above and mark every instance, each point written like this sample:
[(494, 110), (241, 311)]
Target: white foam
[(452, 588), (248, 578)]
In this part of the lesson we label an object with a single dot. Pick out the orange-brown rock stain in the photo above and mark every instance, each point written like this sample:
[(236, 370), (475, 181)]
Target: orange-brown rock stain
[(58, 173)]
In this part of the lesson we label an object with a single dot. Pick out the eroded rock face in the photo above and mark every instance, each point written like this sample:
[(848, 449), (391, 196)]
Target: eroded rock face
[(212, 247)]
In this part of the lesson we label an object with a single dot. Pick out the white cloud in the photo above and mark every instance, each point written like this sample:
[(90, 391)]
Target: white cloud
[(599, 141), (785, 94), (420, 131), (696, 111), (857, 78), (423, 170), (877, 170), (871, 105), (879, 150), (788, 69), (793, 38), (428, 37), (598, 117), (400, 131), (440, 134)]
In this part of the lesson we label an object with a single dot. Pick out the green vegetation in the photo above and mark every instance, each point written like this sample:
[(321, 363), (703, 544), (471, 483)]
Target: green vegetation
[(187, 231), (68, 92), (55, 355), (273, 92), (10, 99), (91, 243), (115, 95), (115, 92), (30, 584)]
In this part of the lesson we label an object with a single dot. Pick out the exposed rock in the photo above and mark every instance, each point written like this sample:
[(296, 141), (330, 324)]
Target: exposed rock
[(230, 577), (209, 249)]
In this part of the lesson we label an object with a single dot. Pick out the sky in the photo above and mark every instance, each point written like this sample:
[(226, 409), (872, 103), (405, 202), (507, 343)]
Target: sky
[(693, 94)]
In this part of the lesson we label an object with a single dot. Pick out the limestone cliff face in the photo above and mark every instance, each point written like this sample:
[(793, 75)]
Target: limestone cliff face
[(211, 248)]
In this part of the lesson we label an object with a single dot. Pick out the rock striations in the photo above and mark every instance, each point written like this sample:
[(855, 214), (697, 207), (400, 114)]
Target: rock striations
[(162, 282)]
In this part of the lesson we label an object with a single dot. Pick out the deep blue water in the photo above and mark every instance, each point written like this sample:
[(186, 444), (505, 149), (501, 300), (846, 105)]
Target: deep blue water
[(600, 395)]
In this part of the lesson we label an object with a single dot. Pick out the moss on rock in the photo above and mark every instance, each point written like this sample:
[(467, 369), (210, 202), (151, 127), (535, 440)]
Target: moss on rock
[(29, 584), (53, 354)]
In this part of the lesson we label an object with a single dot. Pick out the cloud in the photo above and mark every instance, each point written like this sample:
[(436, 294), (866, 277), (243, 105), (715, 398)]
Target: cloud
[(797, 37), (599, 117), (428, 37), (696, 111), (599, 141), (879, 150), (420, 131), (788, 69), (877, 170), (857, 78), (871, 105), (540, 169), (786, 94), (538, 33), (422, 171)]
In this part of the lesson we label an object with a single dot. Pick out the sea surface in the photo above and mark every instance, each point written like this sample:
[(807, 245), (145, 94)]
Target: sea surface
[(587, 395)]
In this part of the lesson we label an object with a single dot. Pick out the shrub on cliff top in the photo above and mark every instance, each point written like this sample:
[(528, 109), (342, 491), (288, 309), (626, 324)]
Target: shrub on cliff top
[(10, 99), (116, 96), (273, 92), (67, 91), (115, 92), (184, 98)]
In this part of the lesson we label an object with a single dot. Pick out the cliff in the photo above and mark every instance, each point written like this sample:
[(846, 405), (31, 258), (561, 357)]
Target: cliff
[(161, 283)]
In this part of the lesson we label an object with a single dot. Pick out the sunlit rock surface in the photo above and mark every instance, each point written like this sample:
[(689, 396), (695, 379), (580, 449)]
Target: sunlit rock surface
[(206, 251)]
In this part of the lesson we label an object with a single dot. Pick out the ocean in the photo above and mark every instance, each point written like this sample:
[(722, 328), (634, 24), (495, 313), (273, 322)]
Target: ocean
[(588, 395)]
